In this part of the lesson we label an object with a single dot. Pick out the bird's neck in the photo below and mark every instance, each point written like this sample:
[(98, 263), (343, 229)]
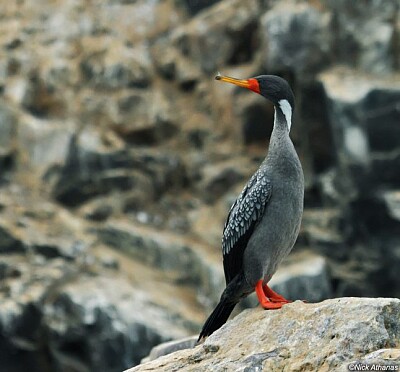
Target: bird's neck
[(282, 123), (280, 140), (283, 115)]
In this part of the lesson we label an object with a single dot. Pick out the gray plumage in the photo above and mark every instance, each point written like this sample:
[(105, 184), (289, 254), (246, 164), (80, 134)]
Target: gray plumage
[(264, 222), (270, 207)]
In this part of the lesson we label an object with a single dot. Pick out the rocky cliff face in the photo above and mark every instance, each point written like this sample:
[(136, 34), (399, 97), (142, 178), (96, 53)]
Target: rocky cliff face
[(120, 157), (328, 336)]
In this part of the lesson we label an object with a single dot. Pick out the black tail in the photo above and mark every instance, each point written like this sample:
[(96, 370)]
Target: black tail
[(217, 318)]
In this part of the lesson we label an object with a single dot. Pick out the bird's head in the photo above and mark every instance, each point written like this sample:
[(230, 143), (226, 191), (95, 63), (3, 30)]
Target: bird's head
[(272, 87)]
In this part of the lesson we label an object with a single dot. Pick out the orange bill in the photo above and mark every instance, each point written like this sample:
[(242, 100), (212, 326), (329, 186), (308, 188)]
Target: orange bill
[(251, 83)]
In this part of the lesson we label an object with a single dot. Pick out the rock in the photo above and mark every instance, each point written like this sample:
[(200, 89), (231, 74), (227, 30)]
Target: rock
[(8, 124), (364, 34), (318, 337), (303, 276), (116, 67), (256, 119), (363, 114), (295, 37), (99, 211), (383, 166), (322, 230), (161, 250), (373, 262), (7, 163), (102, 325), (155, 251), (55, 248), (110, 263), (51, 321), (312, 104), (392, 200), (187, 74), (42, 143), (184, 260), (40, 99), (195, 6), (170, 347), (120, 157), (22, 337), (9, 243), (143, 117), (140, 20), (7, 270), (165, 60), (218, 179), (383, 358), (91, 172), (223, 34), (173, 66)]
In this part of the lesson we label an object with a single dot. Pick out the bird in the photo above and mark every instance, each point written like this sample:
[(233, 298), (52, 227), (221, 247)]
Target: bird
[(263, 223)]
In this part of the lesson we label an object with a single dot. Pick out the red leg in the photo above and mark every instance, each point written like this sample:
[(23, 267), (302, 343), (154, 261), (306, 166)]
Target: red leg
[(264, 301), (273, 296)]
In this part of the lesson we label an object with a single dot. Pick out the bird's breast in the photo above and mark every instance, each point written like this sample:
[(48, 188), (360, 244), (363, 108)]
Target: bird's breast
[(274, 236)]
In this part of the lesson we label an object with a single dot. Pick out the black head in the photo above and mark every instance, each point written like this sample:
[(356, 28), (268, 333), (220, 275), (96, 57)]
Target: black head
[(275, 89), (272, 87)]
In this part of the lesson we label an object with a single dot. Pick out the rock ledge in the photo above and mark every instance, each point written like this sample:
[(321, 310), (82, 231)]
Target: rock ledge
[(325, 336)]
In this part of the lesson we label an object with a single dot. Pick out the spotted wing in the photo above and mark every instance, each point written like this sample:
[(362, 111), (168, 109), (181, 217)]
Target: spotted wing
[(244, 215)]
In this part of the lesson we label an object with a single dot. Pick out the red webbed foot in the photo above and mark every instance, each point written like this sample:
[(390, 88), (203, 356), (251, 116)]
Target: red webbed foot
[(268, 302), (273, 296)]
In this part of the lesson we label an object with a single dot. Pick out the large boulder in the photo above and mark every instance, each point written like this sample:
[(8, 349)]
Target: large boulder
[(92, 171), (363, 116), (365, 34), (91, 324), (42, 143), (223, 34), (295, 37), (24, 290), (186, 261), (142, 117), (138, 20), (318, 337), (303, 276), (118, 66), (58, 316)]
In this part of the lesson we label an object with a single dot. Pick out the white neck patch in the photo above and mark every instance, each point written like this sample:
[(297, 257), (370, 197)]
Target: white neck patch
[(287, 111)]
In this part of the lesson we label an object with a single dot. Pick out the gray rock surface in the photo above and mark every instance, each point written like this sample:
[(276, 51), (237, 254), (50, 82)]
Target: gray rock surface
[(220, 35), (304, 276), (296, 37), (364, 33), (171, 346), (186, 263), (363, 116), (67, 306), (91, 172), (320, 337), (101, 321)]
